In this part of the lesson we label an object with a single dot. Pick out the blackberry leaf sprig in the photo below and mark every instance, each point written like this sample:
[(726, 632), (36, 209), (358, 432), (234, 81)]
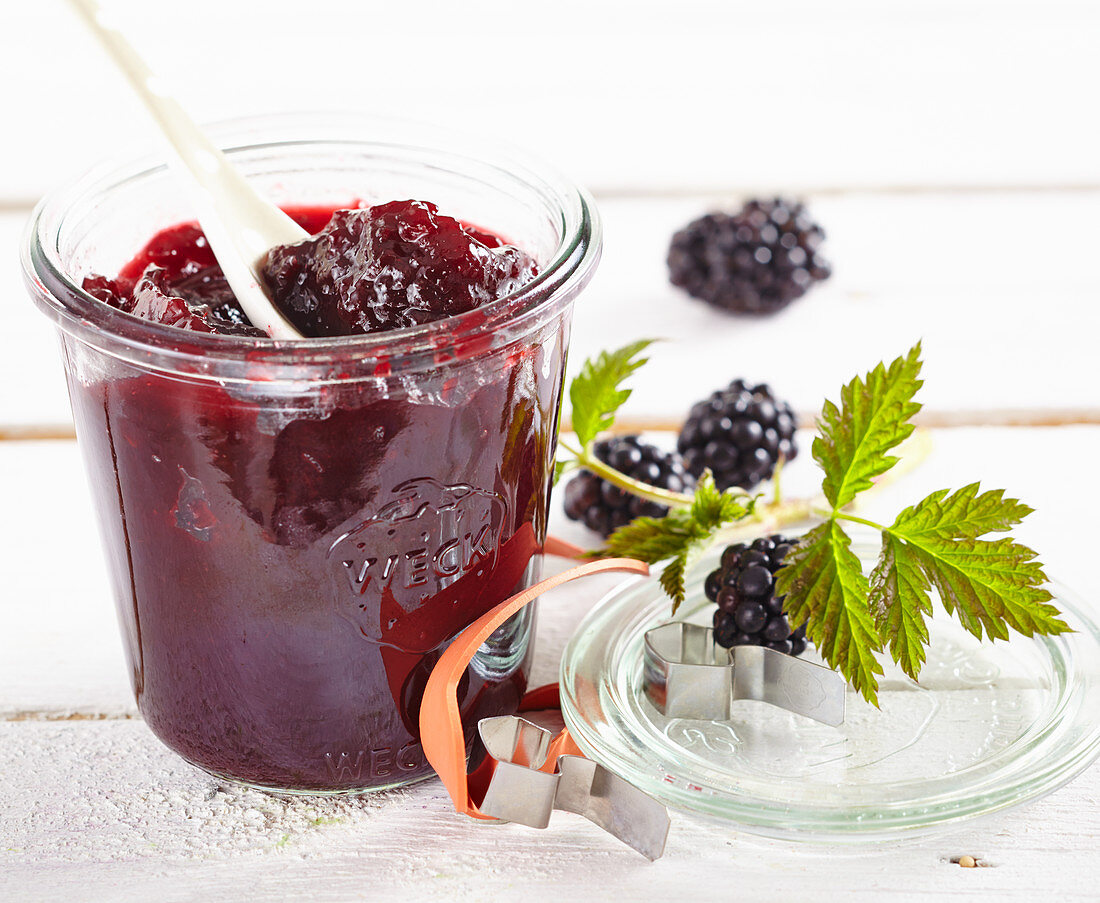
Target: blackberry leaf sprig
[(989, 585), (685, 532), (682, 535), (595, 395)]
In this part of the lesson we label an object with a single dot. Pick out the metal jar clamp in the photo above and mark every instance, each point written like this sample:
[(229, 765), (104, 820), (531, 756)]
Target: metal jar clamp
[(687, 675), (528, 772), (520, 790)]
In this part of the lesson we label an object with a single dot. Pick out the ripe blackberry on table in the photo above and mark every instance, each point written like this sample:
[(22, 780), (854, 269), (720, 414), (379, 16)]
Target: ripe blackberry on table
[(756, 261), (740, 433), (603, 506), (749, 612)]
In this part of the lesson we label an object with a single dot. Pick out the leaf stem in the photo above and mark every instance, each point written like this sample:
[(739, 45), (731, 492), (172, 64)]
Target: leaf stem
[(776, 512), (777, 494), (634, 487), (840, 515), (770, 517)]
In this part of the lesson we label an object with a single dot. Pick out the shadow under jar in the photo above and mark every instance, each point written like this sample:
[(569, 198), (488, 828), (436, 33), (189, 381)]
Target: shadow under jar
[(296, 530)]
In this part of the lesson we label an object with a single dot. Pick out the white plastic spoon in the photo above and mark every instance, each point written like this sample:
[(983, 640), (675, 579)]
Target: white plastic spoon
[(240, 225)]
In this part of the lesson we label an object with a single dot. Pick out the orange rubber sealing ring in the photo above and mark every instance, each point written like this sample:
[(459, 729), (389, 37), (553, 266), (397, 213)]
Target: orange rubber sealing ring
[(441, 735)]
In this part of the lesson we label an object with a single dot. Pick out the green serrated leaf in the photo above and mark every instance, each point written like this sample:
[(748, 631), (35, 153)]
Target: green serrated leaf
[(899, 603), (873, 418), (825, 589), (653, 539), (734, 507), (674, 576), (711, 508), (988, 585), (965, 513), (595, 394), (672, 580), (682, 535), (706, 504)]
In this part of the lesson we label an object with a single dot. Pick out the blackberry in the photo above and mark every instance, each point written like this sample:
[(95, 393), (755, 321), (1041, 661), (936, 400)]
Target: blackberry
[(739, 433), (604, 507), (743, 586), (756, 261)]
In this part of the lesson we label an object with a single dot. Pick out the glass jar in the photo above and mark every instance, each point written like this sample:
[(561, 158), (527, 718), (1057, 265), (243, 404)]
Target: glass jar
[(295, 530)]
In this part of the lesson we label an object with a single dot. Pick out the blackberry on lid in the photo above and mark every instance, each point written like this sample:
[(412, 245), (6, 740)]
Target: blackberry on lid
[(749, 612)]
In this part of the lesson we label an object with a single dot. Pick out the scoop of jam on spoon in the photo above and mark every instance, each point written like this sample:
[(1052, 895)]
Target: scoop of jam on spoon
[(239, 224)]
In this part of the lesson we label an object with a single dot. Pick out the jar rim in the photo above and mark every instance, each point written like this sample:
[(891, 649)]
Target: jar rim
[(61, 296)]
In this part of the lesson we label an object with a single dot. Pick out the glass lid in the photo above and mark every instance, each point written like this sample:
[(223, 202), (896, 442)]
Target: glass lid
[(991, 725)]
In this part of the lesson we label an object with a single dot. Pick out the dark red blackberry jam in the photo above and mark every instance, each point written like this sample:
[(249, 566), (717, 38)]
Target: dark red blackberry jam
[(292, 559)]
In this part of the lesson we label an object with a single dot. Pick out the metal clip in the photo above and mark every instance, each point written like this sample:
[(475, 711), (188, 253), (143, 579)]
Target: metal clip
[(687, 675), (519, 792)]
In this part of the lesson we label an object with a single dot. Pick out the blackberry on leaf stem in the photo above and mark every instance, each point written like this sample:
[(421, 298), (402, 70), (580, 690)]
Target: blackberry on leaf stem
[(605, 507)]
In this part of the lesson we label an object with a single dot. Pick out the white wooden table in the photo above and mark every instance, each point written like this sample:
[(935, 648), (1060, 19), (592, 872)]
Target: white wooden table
[(947, 149)]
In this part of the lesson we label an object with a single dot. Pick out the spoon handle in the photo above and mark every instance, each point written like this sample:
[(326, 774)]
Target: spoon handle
[(239, 224)]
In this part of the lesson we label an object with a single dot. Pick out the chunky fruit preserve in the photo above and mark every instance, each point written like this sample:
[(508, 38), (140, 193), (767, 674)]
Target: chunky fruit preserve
[(365, 270), (291, 563)]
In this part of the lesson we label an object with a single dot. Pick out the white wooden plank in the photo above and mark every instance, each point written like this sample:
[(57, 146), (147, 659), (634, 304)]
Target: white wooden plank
[(998, 336), (1008, 320), (32, 383), (702, 93), (101, 811), (59, 651), (1026, 462)]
